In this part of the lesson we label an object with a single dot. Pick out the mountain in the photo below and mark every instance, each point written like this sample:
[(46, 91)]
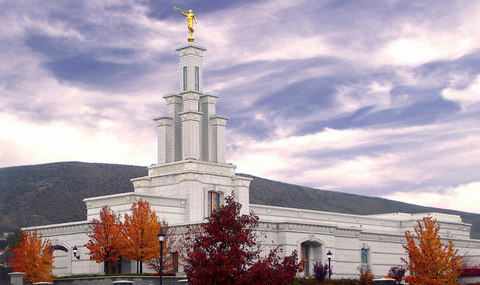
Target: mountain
[(53, 193)]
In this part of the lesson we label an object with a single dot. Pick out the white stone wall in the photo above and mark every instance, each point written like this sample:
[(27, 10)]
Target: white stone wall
[(345, 237)]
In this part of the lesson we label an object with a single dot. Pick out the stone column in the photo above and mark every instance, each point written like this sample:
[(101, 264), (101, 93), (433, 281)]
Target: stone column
[(242, 193), (174, 107), (192, 188), (207, 107), (16, 278), (217, 140), (165, 140)]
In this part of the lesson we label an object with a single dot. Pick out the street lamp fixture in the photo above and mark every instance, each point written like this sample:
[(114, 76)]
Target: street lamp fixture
[(75, 251), (329, 256), (161, 240)]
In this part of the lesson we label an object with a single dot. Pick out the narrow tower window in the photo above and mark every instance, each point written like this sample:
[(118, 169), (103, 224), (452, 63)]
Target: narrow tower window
[(184, 78), (197, 78), (213, 202)]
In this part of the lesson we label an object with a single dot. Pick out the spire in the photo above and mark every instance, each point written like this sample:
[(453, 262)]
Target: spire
[(191, 130)]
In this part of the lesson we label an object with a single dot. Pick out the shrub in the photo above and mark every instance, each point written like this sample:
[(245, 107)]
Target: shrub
[(304, 281), (320, 271), (397, 273), (366, 276), (470, 272)]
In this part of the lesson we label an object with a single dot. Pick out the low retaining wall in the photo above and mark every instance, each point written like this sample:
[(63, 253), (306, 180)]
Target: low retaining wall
[(108, 280)]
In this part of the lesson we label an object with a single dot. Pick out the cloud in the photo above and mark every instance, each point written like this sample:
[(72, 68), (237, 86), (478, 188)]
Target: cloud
[(464, 197), (468, 97), (364, 160), (437, 35), (60, 141), (368, 99)]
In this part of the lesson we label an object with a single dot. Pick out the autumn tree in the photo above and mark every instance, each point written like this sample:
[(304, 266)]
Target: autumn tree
[(431, 261), (106, 241), (141, 229), (33, 256), (226, 250)]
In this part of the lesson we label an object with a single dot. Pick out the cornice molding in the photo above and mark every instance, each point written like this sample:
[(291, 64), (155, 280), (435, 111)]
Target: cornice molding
[(191, 166)]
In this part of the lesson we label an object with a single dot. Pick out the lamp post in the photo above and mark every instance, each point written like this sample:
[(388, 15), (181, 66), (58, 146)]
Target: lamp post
[(161, 240), (329, 256)]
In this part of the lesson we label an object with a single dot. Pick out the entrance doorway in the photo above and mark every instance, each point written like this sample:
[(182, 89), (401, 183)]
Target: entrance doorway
[(311, 253)]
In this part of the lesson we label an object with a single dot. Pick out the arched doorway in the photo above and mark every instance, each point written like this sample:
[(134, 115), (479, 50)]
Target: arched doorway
[(62, 260), (310, 253)]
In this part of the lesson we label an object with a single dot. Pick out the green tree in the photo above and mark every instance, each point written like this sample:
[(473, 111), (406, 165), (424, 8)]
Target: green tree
[(14, 239)]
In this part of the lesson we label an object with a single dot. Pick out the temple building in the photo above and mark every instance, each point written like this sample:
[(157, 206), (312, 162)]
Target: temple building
[(192, 177)]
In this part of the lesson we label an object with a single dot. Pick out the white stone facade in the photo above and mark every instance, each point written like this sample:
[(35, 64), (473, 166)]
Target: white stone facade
[(191, 165)]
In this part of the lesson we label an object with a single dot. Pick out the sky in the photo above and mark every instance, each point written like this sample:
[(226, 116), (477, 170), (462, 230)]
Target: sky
[(378, 98)]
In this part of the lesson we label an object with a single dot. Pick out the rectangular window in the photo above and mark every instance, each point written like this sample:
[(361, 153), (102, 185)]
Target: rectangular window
[(364, 253), (197, 78), (184, 78), (213, 202)]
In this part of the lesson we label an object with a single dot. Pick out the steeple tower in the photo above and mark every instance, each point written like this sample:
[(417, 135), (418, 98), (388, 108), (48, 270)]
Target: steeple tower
[(191, 150), (191, 130)]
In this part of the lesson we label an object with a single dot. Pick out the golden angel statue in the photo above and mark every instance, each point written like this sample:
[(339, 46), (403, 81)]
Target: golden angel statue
[(190, 17)]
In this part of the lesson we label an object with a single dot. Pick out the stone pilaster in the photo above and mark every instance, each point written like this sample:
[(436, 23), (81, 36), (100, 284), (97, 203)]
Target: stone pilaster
[(242, 193), (217, 140), (190, 135), (165, 139), (174, 107), (207, 107), (191, 186)]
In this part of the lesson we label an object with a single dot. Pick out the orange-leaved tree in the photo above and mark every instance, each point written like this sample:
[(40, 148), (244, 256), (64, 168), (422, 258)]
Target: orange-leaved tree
[(33, 256), (431, 261), (107, 240), (141, 229)]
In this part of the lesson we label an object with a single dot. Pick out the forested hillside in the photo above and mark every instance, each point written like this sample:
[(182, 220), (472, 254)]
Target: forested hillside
[(53, 193)]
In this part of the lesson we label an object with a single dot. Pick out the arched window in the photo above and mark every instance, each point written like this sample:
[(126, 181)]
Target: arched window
[(213, 202), (364, 256)]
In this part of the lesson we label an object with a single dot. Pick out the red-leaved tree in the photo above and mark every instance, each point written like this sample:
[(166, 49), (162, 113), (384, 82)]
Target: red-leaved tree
[(33, 256), (107, 240), (225, 250)]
